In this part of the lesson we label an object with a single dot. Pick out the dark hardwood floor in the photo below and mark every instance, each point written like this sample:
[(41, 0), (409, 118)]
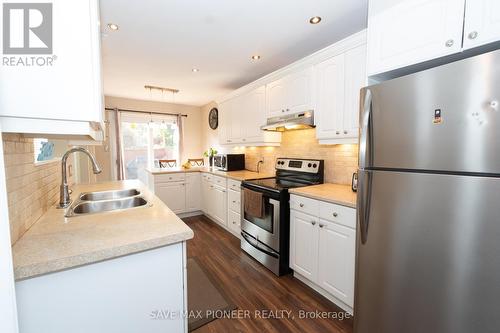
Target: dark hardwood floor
[(252, 287)]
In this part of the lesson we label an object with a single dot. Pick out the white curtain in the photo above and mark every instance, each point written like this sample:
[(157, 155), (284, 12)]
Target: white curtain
[(180, 126), (120, 165)]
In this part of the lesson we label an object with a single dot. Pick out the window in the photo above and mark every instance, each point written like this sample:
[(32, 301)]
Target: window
[(146, 140)]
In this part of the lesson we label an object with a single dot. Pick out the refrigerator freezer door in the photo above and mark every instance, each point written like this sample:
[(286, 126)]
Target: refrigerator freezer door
[(446, 118), (431, 260)]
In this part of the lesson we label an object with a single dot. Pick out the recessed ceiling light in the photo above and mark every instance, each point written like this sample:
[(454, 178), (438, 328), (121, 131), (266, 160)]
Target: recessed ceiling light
[(113, 26), (256, 57), (194, 70), (315, 20)]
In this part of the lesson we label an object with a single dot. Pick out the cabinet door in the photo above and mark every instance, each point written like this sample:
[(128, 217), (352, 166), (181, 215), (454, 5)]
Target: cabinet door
[(220, 205), (482, 22), (275, 98), (173, 195), (403, 33), (298, 89), (234, 222), (193, 191), (64, 84), (205, 188), (336, 264), (224, 128), (254, 115), (211, 201), (304, 244), (330, 97), (235, 119), (355, 79)]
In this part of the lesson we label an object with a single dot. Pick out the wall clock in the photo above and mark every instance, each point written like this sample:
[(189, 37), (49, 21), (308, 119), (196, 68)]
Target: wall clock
[(213, 118)]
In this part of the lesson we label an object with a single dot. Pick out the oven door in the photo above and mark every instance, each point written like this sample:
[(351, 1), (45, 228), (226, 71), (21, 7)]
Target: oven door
[(267, 229)]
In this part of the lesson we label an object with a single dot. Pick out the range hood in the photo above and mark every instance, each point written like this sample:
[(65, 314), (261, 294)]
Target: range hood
[(290, 122)]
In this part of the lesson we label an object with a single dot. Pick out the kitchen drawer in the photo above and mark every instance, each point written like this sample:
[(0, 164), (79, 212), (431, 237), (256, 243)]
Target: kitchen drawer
[(339, 214), (234, 185), (218, 180), (304, 205), (170, 177), (234, 222), (234, 201)]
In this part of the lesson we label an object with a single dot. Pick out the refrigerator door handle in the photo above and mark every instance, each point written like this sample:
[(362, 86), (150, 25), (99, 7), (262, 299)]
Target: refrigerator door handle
[(364, 201), (365, 154)]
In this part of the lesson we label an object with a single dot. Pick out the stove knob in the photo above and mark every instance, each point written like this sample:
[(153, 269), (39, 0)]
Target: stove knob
[(315, 165), (309, 165)]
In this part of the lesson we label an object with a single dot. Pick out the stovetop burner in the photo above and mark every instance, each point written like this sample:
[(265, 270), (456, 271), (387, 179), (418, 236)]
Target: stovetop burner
[(278, 184), (290, 173)]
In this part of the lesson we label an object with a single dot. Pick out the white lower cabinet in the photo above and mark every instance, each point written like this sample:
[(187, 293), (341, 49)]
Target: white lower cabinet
[(322, 252), (96, 297), (234, 222), (219, 203), (337, 247), (173, 194), (193, 191), (181, 192), (234, 207), (187, 192), (304, 241)]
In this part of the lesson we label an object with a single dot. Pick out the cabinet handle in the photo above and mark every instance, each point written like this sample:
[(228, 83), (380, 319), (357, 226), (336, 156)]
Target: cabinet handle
[(335, 214), (338, 132), (345, 132), (234, 201), (313, 222), (282, 110), (473, 35), (244, 139), (449, 43), (301, 205), (287, 110), (321, 225)]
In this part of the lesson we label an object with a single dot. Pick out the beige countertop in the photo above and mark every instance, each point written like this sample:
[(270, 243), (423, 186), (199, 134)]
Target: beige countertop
[(56, 243), (334, 193), (236, 175)]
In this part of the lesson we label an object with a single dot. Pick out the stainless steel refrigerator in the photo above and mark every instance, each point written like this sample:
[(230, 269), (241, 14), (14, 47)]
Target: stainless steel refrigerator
[(428, 250)]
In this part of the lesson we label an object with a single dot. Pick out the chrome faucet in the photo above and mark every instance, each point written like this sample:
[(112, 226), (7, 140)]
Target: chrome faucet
[(64, 195)]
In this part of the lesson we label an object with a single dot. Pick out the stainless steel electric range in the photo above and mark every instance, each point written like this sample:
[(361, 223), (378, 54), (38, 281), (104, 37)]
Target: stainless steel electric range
[(267, 239)]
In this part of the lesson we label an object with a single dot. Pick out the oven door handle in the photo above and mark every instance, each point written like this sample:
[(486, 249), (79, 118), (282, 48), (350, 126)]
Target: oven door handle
[(256, 245)]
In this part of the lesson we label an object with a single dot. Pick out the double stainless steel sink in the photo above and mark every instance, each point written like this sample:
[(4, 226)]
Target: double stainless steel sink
[(106, 201)]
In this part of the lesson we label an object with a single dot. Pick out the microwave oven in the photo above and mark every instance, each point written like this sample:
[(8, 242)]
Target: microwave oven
[(229, 162)]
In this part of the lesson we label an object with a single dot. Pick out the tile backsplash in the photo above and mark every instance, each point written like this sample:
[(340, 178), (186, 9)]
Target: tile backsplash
[(31, 188), (341, 161)]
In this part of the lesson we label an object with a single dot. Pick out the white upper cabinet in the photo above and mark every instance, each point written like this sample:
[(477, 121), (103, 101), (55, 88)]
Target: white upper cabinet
[(293, 93), (327, 82), (60, 92), (355, 79), (276, 98), (482, 22), (299, 91), (330, 101), (339, 81), (403, 33), (241, 119)]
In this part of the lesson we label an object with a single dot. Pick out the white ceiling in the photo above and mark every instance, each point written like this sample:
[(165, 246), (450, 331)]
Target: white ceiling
[(160, 41)]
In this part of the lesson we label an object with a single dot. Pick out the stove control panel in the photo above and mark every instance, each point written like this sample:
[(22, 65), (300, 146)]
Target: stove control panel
[(310, 166)]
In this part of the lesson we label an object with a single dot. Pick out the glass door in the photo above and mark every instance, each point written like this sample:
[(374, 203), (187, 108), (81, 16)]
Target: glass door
[(146, 140)]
